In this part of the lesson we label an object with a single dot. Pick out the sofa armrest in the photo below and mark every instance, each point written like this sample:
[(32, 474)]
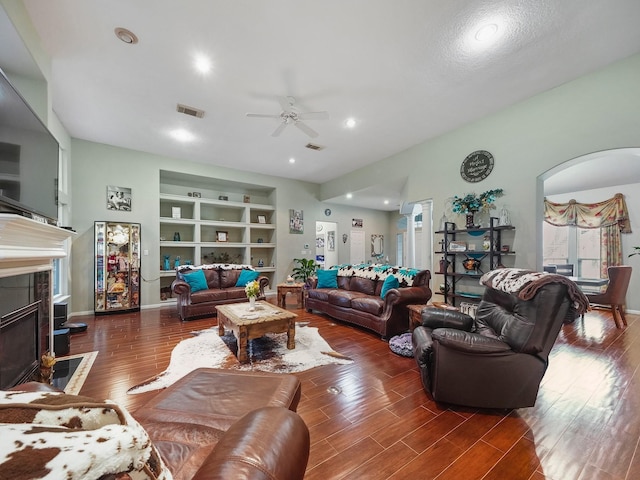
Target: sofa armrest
[(180, 287), (434, 317), (468, 342), (407, 295), (270, 442), (311, 283)]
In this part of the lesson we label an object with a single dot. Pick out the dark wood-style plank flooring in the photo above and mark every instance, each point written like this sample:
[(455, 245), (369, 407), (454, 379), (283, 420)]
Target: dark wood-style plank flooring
[(585, 425)]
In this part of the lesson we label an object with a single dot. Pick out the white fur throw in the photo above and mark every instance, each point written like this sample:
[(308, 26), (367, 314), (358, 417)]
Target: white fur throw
[(52, 435)]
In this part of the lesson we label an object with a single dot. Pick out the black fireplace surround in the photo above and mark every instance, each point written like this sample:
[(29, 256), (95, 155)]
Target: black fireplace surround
[(24, 325)]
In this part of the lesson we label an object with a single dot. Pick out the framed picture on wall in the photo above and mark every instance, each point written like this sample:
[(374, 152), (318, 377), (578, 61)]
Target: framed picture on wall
[(296, 221), (331, 241), (118, 198), (356, 222)]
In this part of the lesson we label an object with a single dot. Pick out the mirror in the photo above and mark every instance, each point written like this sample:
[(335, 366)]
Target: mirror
[(377, 245)]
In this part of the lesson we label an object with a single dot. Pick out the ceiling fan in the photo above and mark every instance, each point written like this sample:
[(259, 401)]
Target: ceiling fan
[(290, 116)]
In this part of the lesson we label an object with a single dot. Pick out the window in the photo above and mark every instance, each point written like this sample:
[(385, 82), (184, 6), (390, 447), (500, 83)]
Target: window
[(577, 246)]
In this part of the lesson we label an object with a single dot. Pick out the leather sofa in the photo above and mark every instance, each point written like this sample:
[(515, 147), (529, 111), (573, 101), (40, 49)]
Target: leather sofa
[(221, 282), (498, 358), (211, 424), (357, 297)]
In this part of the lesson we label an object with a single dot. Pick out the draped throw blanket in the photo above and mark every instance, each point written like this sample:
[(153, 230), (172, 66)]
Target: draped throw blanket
[(526, 283), (610, 216)]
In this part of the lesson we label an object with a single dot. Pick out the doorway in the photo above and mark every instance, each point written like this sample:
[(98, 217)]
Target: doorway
[(326, 244)]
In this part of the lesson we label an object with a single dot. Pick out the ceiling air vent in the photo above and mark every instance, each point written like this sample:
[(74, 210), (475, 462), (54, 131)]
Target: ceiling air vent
[(194, 112), (312, 146)]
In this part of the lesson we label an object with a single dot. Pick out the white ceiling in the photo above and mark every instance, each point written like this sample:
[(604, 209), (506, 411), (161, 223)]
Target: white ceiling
[(406, 70)]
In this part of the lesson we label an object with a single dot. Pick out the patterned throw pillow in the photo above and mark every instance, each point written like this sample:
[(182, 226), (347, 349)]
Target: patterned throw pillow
[(73, 437)]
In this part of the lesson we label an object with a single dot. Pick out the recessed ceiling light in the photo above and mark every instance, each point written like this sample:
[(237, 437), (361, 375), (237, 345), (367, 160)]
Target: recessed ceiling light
[(350, 122), (182, 135), (127, 36), (386, 202), (202, 64), (292, 160), (349, 195), (486, 32)]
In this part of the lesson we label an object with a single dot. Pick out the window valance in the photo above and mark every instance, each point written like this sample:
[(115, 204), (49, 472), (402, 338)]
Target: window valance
[(589, 215)]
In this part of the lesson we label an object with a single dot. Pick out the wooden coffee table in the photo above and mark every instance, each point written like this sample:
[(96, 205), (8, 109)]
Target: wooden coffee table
[(246, 324)]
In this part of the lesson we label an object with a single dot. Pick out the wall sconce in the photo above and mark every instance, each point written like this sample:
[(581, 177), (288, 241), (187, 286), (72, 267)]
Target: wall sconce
[(344, 237)]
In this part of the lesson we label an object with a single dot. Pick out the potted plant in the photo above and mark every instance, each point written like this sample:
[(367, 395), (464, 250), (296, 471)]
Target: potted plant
[(305, 269)]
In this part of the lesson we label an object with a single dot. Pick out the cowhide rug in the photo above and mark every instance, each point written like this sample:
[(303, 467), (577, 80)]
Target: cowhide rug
[(268, 354)]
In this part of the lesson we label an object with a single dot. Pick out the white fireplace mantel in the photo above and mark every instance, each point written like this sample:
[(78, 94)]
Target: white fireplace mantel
[(27, 245)]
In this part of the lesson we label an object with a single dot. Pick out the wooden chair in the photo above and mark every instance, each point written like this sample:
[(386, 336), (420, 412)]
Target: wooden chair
[(614, 296)]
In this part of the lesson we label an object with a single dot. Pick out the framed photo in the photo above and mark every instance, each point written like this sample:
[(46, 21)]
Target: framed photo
[(331, 241), (246, 199), (223, 197), (262, 219), (221, 236), (457, 246), (356, 222), (197, 194), (296, 221), (118, 198)]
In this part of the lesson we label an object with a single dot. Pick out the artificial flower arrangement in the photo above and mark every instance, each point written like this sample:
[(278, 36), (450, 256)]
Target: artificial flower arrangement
[(252, 289), (471, 202), (47, 360)]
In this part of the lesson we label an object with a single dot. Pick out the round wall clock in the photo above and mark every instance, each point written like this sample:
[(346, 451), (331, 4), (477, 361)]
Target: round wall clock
[(477, 166), (327, 212)]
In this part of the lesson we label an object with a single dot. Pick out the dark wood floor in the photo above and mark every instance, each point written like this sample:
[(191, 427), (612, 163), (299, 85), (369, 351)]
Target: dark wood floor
[(382, 425)]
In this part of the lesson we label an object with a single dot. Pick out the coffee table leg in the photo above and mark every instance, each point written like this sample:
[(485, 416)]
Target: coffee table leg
[(291, 334), (243, 341), (220, 324)]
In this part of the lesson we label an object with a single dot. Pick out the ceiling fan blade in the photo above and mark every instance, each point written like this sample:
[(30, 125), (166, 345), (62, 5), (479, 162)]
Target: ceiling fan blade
[(306, 129), (279, 130), (313, 116), (262, 115), (286, 103)]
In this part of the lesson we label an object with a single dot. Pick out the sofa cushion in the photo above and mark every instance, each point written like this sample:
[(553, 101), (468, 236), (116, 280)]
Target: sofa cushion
[(369, 304), (363, 285), (229, 278), (209, 295), (196, 280), (213, 278), (389, 283), (73, 437), (327, 278), (245, 277), (235, 292), (342, 298), (321, 294)]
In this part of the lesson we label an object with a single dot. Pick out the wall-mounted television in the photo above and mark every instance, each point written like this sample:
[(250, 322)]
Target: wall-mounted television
[(29, 156)]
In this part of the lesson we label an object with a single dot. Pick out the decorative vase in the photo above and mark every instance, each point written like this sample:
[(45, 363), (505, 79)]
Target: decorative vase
[(167, 265), (470, 221), (471, 264), (176, 236), (252, 304)]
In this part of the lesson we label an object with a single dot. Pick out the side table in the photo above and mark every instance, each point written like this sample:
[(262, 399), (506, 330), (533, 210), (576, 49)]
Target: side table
[(415, 315), (295, 288)]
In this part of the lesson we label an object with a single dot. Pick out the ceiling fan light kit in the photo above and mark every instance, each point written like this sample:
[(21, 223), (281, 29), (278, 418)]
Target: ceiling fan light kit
[(290, 116)]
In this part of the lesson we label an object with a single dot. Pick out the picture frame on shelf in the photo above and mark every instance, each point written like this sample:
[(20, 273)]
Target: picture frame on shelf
[(222, 236), (223, 197), (262, 219), (176, 212), (246, 199), (197, 195), (457, 246)]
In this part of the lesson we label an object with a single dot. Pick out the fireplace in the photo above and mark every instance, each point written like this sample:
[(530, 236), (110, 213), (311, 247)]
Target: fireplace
[(27, 248)]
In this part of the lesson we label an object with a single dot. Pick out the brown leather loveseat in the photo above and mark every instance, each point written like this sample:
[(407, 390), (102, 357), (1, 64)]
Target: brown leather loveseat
[(498, 358), (211, 424), (220, 288), (357, 296)]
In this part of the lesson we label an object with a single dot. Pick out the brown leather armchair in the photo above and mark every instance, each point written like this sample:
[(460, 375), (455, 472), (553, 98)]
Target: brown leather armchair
[(496, 360), (615, 294)]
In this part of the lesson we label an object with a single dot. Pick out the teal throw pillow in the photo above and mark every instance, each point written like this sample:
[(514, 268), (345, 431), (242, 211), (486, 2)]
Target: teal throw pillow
[(196, 280), (245, 277), (389, 283), (327, 278)]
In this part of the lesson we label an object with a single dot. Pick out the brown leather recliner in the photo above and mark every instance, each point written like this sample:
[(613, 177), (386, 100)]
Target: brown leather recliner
[(496, 360)]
